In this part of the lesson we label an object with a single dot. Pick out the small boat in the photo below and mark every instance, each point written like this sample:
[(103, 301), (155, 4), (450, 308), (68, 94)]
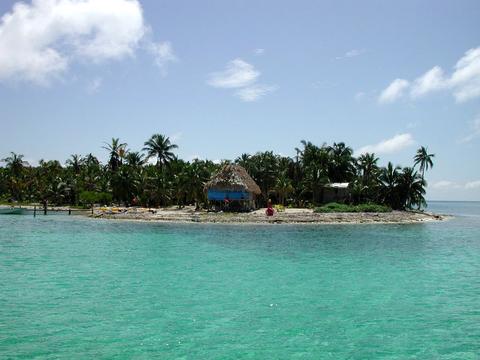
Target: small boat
[(11, 210)]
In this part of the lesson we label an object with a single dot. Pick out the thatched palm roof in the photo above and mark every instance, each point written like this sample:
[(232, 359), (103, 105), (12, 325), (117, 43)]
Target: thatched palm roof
[(233, 178)]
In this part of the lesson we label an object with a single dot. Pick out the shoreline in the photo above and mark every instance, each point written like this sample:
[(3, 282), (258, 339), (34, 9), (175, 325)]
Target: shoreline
[(258, 217)]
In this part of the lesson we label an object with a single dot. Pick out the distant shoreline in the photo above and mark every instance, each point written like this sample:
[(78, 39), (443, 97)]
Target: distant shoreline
[(289, 216)]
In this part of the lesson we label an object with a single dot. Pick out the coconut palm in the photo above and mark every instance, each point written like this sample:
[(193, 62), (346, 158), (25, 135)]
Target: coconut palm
[(283, 187), (15, 163), (367, 165), (411, 188), (424, 159), (159, 146), (341, 162), (116, 151), (389, 177), (135, 159), (74, 162)]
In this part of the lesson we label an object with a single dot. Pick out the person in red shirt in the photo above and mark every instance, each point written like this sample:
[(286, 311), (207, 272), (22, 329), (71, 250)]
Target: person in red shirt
[(270, 211)]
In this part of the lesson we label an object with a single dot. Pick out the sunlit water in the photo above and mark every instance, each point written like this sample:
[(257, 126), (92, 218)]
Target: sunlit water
[(76, 288)]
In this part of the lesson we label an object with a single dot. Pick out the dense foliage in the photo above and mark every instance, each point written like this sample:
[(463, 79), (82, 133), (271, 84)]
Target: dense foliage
[(350, 208), (128, 178)]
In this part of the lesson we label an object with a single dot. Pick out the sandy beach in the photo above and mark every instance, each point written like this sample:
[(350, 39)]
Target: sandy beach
[(289, 216)]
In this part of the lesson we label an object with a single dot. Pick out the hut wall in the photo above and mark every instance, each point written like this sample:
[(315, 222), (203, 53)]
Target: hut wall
[(220, 195), (335, 194)]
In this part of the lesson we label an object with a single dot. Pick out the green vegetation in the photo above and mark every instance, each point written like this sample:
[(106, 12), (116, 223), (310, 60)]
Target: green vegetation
[(349, 208), (128, 178), (89, 198)]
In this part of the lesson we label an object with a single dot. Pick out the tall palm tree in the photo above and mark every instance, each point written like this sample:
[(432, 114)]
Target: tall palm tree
[(411, 188), (135, 159), (424, 159), (15, 163), (342, 162), (283, 187), (389, 178), (117, 151), (74, 162), (159, 146)]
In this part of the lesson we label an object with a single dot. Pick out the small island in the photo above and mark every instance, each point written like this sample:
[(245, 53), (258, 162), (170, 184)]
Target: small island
[(320, 184)]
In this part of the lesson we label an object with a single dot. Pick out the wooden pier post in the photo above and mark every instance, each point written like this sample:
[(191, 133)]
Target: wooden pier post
[(35, 211)]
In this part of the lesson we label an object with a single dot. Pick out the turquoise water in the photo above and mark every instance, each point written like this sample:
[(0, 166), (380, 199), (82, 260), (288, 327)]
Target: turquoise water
[(74, 288)]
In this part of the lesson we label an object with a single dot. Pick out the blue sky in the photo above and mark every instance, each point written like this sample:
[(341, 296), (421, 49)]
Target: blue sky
[(226, 77)]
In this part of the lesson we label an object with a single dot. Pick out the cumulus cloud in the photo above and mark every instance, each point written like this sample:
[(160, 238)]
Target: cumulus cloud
[(393, 91), (238, 73), (432, 80), (40, 40), (388, 146), (242, 76), (463, 83), (466, 78), (163, 54)]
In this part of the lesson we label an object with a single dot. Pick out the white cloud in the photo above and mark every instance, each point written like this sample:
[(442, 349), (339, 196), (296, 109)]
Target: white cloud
[(432, 80), (473, 185), (466, 78), (242, 76), (254, 92), (259, 51), (464, 82), (94, 85), (393, 91), (38, 41), (388, 146), (238, 73), (474, 132), (163, 54)]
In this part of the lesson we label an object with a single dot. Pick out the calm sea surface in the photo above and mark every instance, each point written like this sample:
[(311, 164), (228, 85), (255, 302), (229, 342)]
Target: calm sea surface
[(75, 288)]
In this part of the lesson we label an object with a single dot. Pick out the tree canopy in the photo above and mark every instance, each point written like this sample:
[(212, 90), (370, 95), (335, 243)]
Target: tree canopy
[(128, 178)]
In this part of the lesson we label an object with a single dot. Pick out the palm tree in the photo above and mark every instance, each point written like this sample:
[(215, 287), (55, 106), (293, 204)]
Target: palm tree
[(15, 163), (117, 151), (74, 162), (135, 159), (424, 159), (283, 187), (159, 146), (367, 165), (368, 172), (411, 188), (342, 162), (389, 181)]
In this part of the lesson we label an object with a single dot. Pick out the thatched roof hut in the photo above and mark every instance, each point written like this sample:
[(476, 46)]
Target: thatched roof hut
[(232, 183)]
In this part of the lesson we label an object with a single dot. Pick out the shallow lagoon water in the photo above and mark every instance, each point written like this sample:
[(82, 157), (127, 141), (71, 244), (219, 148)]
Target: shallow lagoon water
[(80, 288)]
